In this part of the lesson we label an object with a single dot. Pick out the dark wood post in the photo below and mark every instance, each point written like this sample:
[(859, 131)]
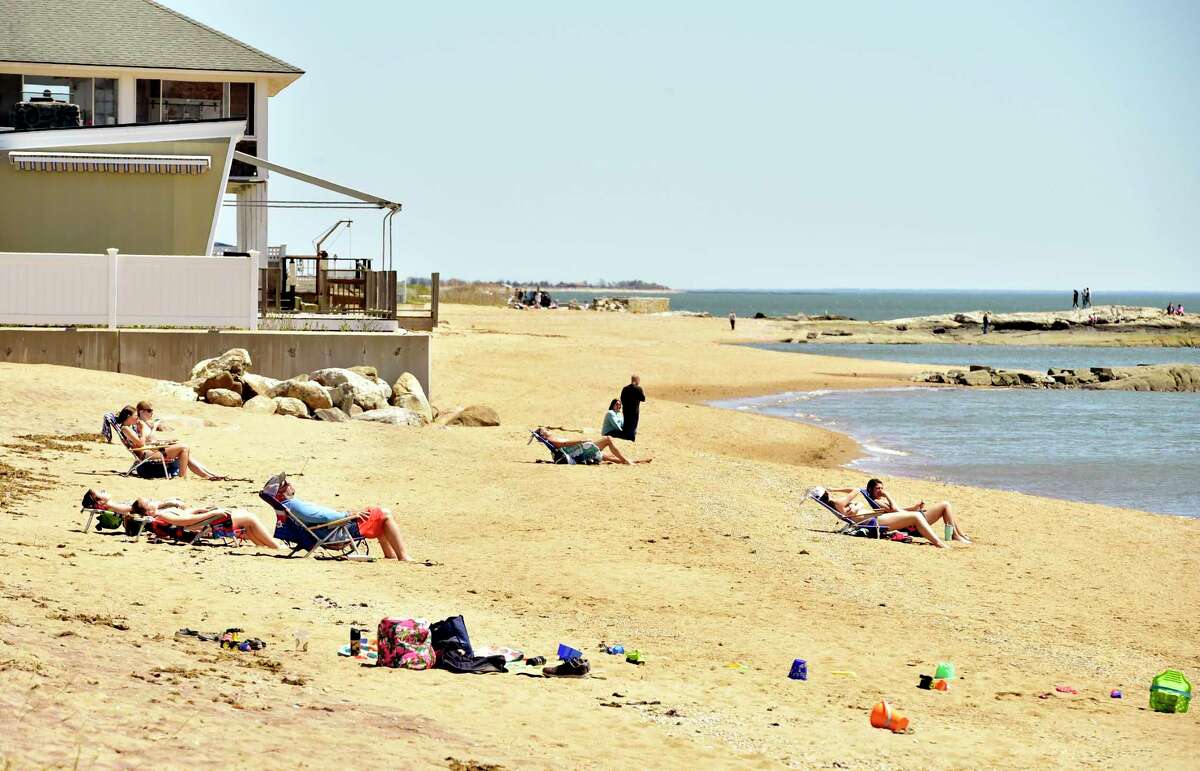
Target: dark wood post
[(435, 291)]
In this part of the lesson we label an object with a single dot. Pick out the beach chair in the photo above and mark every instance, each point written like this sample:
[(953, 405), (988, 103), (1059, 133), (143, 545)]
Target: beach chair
[(335, 536), (214, 527), (557, 454), (143, 468), (869, 528)]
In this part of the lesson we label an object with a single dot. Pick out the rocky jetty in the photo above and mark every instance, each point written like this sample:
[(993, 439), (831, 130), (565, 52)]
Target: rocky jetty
[(333, 394), (1111, 316), (1145, 377)]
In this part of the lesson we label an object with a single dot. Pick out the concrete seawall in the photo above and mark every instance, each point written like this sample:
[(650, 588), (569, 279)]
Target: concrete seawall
[(166, 354)]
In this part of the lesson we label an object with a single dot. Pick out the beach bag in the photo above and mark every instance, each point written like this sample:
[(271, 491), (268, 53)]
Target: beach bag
[(108, 520), (404, 643), (451, 635)]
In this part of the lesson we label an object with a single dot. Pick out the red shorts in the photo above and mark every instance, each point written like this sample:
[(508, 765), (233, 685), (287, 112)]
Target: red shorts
[(371, 525)]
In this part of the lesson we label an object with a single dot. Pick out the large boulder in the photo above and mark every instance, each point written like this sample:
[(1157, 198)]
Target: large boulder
[(223, 397), (225, 381), (370, 373), (979, 377), (260, 385), (331, 415), (166, 388), (235, 361), (408, 393), (474, 415), (395, 416), (366, 393), (263, 405), (312, 393), (286, 405)]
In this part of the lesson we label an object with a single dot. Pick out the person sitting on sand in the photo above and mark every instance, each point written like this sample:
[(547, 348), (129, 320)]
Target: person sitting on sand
[(173, 511), (586, 450), (614, 422), (129, 422), (374, 522)]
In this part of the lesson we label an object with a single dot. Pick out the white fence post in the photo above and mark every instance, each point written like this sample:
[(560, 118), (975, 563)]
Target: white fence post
[(252, 264), (112, 286)]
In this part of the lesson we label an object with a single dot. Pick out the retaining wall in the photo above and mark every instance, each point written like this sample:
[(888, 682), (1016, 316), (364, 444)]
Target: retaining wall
[(166, 354)]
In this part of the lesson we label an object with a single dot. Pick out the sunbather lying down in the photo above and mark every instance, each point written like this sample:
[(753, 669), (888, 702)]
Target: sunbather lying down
[(584, 450), (173, 511), (886, 513), (374, 522)]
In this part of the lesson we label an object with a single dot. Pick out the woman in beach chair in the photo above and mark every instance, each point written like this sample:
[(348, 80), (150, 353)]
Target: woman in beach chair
[(372, 522), (585, 451), (849, 509), (213, 518), (139, 441), (879, 501)]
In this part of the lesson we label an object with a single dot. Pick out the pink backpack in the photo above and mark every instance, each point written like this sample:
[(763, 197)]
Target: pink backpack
[(405, 643)]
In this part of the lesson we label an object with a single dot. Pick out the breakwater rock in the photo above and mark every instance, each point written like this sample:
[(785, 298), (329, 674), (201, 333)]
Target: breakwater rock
[(1157, 377), (1112, 316)]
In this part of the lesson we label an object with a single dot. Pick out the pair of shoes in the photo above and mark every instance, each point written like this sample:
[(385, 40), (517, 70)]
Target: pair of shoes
[(577, 667)]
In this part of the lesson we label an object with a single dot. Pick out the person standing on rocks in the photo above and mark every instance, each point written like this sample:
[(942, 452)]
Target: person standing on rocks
[(632, 397), (732, 321), (1074, 299)]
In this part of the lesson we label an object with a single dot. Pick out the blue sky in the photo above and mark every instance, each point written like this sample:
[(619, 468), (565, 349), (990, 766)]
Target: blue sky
[(956, 145)]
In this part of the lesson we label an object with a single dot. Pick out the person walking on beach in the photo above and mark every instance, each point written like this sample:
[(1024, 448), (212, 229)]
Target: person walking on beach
[(1087, 297), (986, 323), (631, 406), (1074, 299), (732, 321)]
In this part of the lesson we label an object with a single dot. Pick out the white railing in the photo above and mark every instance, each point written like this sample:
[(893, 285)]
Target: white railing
[(128, 290)]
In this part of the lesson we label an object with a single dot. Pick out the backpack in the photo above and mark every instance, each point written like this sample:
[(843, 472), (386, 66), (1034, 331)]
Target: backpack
[(404, 643)]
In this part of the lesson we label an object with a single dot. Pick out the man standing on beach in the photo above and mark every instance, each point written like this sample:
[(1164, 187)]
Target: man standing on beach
[(1074, 298), (732, 320), (1087, 297), (631, 405), (987, 322)]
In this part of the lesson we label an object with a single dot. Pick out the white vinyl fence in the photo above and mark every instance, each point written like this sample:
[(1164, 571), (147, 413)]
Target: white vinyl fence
[(128, 289)]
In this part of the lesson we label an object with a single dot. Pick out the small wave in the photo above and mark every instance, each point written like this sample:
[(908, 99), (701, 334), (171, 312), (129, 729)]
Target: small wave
[(884, 450)]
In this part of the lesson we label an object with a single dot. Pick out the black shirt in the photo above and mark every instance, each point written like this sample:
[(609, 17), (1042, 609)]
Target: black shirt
[(631, 403)]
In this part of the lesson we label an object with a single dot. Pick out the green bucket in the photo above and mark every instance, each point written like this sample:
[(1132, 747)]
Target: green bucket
[(1170, 691)]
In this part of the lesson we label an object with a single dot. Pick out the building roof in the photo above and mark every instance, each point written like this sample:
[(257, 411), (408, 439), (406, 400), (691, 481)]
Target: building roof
[(122, 33)]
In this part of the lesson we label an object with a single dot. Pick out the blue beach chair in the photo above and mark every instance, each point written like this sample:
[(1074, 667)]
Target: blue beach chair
[(340, 536)]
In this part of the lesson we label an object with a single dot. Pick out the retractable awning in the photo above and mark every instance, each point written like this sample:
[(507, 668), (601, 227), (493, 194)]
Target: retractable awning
[(120, 163), (350, 192)]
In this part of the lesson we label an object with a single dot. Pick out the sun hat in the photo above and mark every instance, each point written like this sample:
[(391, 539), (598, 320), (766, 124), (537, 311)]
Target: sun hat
[(275, 484)]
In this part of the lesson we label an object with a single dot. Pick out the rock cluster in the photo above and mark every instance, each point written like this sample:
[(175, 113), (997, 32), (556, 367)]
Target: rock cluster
[(333, 394), (631, 304), (1114, 316), (1144, 377)]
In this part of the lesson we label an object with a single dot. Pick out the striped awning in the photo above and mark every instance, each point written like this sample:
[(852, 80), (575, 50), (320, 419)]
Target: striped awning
[(120, 163)]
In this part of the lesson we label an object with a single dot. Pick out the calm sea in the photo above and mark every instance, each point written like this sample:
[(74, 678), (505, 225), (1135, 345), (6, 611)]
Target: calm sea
[(875, 304), (1140, 450)]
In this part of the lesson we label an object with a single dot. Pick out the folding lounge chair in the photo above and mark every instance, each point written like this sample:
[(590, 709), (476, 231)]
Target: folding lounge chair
[(143, 468), (213, 527), (870, 527), (557, 454), (336, 536)]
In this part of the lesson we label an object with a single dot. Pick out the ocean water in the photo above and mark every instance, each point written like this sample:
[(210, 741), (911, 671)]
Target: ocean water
[(1140, 450), (1031, 357), (876, 304)]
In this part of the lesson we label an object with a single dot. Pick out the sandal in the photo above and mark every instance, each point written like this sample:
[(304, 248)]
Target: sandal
[(578, 667)]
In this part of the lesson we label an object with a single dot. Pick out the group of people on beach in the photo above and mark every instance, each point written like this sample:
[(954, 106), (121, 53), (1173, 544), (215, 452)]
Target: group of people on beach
[(143, 435), (1085, 297), (620, 422), (1174, 310)]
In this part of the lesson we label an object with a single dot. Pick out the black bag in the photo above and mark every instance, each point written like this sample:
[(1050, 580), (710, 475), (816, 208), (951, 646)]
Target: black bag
[(450, 635)]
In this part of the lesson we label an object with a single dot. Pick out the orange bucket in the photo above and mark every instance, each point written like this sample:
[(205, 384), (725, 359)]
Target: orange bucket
[(883, 716)]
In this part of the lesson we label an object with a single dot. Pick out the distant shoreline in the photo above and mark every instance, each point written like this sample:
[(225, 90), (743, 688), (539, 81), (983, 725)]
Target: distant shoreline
[(607, 291)]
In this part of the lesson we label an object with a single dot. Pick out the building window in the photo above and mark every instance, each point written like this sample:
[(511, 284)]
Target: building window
[(149, 101), (105, 104), (241, 104), (184, 100)]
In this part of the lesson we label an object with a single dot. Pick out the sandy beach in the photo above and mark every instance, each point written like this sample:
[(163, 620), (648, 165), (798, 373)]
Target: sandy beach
[(699, 559)]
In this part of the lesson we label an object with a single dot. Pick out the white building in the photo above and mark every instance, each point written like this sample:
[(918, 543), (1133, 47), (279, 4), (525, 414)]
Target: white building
[(138, 62)]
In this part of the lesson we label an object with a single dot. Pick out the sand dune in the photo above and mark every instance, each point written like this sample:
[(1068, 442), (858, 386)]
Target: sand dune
[(699, 559)]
